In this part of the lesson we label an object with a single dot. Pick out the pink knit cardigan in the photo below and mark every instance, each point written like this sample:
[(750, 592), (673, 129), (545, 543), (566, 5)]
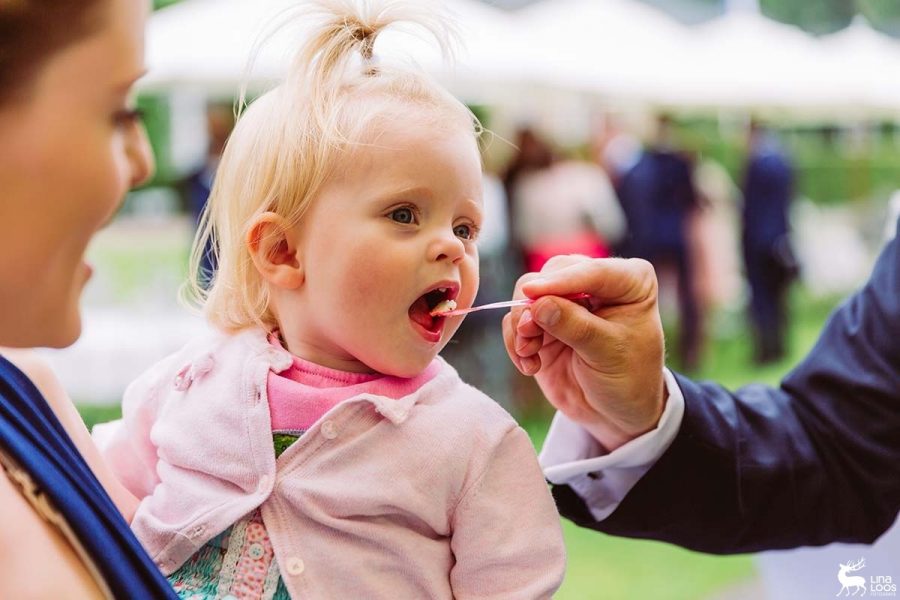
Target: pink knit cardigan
[(435, 495)]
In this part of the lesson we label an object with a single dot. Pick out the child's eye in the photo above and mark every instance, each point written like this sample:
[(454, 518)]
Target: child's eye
[(403, 215), (466, 232)]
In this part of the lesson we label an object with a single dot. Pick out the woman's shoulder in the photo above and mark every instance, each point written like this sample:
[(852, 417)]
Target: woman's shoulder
[(27, 361), (43, 564)]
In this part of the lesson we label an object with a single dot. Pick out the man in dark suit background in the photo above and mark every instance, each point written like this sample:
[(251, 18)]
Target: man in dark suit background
[(658, 197), (197, 186), (637, 451), (768, 257)]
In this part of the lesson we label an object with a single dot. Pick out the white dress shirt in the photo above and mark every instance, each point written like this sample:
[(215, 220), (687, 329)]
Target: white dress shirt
[(573, 457)]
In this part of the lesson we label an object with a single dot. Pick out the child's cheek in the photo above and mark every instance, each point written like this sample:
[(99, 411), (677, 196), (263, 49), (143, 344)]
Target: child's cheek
[(367, 281), (471, 282)]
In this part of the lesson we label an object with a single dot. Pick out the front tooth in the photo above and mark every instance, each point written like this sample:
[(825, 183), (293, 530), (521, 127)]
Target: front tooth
[(442, 290)]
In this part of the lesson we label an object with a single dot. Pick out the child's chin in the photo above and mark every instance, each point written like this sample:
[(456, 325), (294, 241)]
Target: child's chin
[(407, 369)]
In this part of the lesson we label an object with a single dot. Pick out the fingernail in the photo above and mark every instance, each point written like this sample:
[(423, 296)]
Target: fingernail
[(547, 314), (530, 365), (526, 317)]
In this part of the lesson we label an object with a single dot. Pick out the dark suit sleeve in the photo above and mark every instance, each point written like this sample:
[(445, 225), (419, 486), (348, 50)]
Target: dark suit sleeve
[(814, 461)]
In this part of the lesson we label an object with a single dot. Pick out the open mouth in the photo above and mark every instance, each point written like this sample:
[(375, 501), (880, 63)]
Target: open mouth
[(421, 310)]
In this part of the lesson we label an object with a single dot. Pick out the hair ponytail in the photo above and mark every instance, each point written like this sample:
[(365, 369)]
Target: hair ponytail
[(341, 50)]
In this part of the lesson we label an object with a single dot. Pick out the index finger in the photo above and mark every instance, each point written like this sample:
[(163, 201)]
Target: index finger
[(517, 312), (608, 280)]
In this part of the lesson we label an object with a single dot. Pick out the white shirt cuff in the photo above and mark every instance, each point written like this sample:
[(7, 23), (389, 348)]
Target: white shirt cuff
[(573, 457)]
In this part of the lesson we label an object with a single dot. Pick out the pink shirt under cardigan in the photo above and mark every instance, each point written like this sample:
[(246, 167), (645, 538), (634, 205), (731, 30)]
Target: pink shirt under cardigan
[(302, 393), (435, 495)]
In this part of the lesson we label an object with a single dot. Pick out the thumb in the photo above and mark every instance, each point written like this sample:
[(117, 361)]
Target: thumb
[(571, 324)]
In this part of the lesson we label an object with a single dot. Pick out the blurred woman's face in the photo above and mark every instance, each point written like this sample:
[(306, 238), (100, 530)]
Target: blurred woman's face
[(69, 151)]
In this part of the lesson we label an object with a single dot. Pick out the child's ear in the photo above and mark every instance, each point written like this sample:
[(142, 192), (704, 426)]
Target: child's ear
[(272, 243)]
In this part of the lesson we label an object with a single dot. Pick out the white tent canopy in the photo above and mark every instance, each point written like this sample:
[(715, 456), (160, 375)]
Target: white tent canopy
[(869, 66), (621, 48), (616, 48), (613, 49), (746, 60), (206, 44)]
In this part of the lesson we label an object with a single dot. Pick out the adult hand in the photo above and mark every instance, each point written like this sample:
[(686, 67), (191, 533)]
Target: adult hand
[(600, 363)]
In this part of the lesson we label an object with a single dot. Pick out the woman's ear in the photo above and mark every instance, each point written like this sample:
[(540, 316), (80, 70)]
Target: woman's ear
[(272, 243)]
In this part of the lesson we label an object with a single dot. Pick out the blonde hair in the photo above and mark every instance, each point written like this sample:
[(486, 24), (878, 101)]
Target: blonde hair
[(288, 142)]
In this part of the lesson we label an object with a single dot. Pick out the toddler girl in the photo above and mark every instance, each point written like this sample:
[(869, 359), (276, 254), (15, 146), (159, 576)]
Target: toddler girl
[(316, 446)]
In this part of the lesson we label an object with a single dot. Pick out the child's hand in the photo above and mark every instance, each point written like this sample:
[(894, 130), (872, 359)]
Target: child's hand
[(601, 365)]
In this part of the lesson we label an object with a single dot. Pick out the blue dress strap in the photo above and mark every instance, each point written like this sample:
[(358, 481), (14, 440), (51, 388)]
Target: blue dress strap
[(32, 436)]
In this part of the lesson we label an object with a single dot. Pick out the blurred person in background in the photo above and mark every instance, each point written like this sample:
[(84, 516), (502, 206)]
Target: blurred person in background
[(768, 255), (713, 231), (569, 207), (72, 145), (658, 199), (615, 148), (198, 184), (532, 154)]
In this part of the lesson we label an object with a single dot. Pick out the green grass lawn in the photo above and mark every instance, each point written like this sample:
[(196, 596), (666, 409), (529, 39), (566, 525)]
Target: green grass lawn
[(608, 568)]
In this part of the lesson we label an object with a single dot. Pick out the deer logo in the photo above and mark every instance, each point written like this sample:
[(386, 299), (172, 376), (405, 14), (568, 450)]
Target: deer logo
[(852, 581)]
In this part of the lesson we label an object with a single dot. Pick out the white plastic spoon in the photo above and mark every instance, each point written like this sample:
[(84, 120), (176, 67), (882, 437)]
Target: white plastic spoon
[(505, 304)]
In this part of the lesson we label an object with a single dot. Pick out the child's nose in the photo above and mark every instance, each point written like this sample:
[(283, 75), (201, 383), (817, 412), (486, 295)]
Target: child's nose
[(446, 247)]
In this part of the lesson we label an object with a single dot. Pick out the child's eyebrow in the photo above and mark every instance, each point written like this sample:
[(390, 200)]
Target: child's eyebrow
[(407, 193), (475, 206)]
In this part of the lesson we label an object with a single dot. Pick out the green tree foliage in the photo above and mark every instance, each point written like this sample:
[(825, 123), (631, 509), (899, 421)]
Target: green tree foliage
[(157, 4), (826, 16), (883, 14), (818, 16)]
